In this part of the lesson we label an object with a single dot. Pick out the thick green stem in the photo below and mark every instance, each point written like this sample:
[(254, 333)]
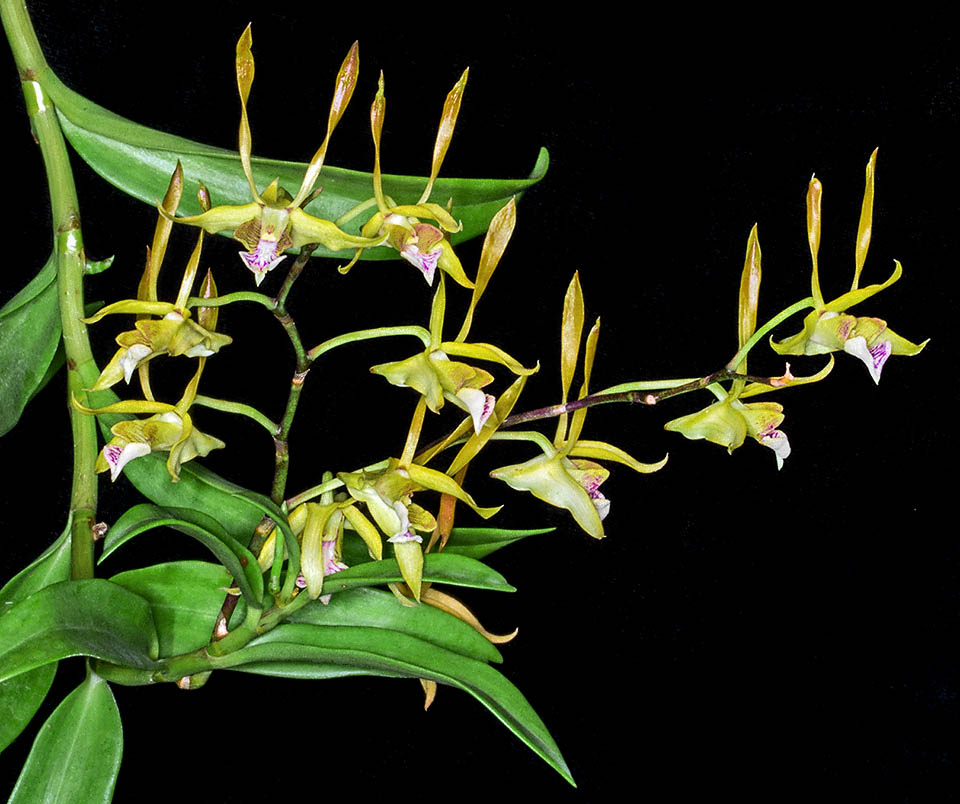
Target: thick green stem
[(82, 371)]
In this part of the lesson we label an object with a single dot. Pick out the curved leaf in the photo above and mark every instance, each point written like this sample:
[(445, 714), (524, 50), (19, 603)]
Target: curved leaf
[(293, 649), (20, 698), (480, 542), (185, 596), (52, 566), (139, 161), (437, 568), (195, 490), (76, 756), (237, 559), (29, 335), (78, 618), (378, 609), (21, 695)]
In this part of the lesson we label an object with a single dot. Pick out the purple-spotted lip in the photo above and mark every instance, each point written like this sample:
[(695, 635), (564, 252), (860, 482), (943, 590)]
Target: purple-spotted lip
[(263, 258), (873, 357), (427, 263)]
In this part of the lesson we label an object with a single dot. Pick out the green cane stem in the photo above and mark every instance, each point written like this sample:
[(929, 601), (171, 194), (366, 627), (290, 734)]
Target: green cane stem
[(82, 371)]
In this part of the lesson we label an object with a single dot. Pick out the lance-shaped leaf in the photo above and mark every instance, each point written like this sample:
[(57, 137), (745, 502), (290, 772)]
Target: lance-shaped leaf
[(29, 335), (78, 618), (456, 570), (480, 542), (50, 567), (234, 556), (185, 597), (139, 161), (76, 756), (298, 650), (378, 609), (20, 698)]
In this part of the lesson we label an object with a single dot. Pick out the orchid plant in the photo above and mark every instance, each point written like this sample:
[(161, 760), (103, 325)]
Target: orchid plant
[(303, 582)]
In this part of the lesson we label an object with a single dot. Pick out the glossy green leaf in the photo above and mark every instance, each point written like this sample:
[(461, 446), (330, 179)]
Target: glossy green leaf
[(293, 649), (140, 160), (480, 542), (29, 334), (76, 756), (437, 568), (378, 609), (78, 618), (237, 559), (20, 698), (185, 596), (51, 566)]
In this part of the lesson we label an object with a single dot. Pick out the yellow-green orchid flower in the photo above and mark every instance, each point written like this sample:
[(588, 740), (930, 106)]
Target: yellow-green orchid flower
[(170, 428), (275, 221), (387, 495), (566, 475), (729, 421), (162, 432), (433, 374), (175, 334), (829, 328), (319, 528), (398, 226)]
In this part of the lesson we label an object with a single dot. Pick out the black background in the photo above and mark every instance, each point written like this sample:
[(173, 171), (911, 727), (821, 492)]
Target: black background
[(739, 629)]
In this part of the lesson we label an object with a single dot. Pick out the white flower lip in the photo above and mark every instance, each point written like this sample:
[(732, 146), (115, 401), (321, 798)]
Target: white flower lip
[(873, 357)]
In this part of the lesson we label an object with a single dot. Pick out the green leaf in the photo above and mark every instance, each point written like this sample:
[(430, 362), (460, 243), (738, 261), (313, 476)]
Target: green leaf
[(140, 160), (76, 757), (78, 618), (480, 542), (52, 566), (291, 650), (378, 609), (20, 698), (185, 596), (195, 490), (237, 559), (29, 334), (437, 568)]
